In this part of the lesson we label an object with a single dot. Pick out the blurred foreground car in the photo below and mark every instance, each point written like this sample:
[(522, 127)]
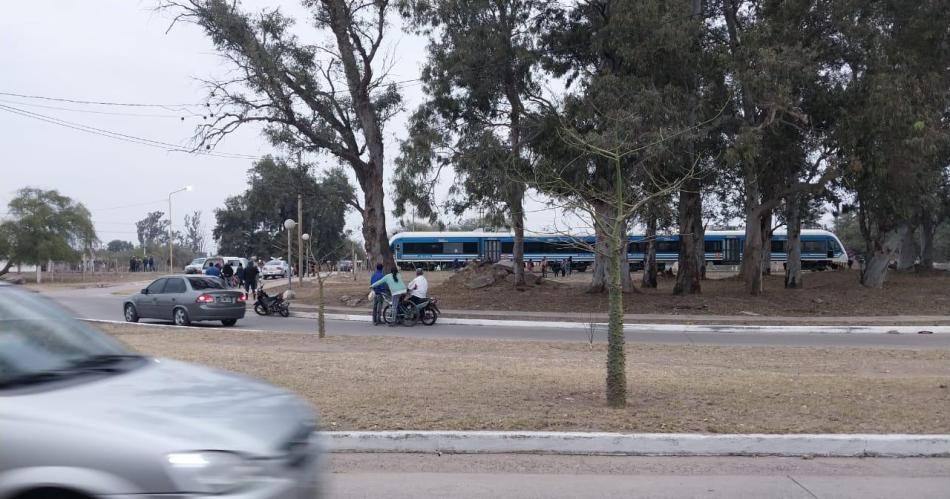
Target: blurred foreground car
[(84, 417), (185, 299)]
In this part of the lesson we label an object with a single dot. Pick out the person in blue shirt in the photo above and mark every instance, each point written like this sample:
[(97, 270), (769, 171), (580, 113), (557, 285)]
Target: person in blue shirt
[(379, 295), (213, 270), (396, 290)]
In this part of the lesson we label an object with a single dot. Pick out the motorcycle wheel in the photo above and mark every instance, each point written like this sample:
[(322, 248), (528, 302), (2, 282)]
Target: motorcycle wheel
[(284, 310), (261, 309), (386, 318), (411, 316), (429, 316)]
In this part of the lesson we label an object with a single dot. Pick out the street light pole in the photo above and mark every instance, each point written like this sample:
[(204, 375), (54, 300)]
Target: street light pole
[(289, 224), (171, 258)]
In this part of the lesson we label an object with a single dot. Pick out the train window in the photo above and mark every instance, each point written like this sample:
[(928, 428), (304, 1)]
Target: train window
[(779, 245), (507, 247), (470, 248), (813, 247), (422, 248), (451, 248), (667, 246), (637, 247), (712, 246)]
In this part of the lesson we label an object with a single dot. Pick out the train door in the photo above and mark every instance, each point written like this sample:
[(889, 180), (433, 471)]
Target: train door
[(731, 248), (491, 250)]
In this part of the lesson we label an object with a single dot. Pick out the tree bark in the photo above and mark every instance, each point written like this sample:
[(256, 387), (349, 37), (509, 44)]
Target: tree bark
[(884, 249), (321, 311), (376, 241), (927, 230), (616, 357), (793, 247), (766, 231), (752, 253), (516, 208), (692, 248), (908, 248), (649, 264), (600, 276)]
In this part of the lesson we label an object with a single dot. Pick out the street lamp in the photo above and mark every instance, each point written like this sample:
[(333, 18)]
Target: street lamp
[(289, 224), (306, 238), (171, 258)]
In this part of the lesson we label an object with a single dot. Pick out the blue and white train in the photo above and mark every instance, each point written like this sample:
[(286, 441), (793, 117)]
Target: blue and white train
[(820, 249)]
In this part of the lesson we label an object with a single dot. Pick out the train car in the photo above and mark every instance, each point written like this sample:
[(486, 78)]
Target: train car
[(820, 249)]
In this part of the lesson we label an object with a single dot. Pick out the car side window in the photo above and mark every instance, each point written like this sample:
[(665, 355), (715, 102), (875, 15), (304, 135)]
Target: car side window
[(176, 285), (156, 287)]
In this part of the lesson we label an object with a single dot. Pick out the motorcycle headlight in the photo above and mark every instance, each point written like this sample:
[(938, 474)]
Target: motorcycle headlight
[(211, 472)]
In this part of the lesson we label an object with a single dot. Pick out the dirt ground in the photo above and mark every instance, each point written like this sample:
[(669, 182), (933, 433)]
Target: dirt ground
[(80, 280), (831, 293), (371, 383)]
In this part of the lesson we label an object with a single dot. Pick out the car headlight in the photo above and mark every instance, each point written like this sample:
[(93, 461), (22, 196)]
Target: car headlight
[(211, 472)]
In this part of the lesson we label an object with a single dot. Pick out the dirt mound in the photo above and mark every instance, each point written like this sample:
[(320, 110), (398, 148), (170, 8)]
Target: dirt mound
[(484, 274)]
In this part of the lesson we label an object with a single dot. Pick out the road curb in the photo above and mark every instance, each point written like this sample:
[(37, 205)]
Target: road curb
[(662, 328), (640, 444)]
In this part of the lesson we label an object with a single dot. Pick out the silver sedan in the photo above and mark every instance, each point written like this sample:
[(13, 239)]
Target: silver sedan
[(186, 299)]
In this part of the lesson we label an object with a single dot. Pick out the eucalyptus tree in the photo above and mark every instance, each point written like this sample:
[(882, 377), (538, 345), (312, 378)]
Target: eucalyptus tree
[(478, 76), (331, 98)]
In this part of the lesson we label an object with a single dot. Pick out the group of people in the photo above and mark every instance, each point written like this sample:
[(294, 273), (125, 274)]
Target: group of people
[(390, 287), (564, 266), (144, 264), (239, 277)]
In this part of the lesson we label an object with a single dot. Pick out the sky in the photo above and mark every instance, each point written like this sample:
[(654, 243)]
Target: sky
[(118, 51)]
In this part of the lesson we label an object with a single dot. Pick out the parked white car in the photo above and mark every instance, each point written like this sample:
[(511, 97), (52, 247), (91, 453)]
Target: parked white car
[(275, 269), (196, 266)]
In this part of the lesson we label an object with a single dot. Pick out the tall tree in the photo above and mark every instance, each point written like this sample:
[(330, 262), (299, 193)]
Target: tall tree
[(194, 237), (43, 226), (479, 73), (152, 230), (331, 99), (119, 246)]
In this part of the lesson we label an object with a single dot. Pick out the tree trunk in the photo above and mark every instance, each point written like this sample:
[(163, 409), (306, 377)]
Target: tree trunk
[(793, 247), (376, 241), (6, 267), (875, 269), (516, 208), (752, 253), (927, 230), (600, 276), (321, 300), (908, 248), (692, 247), (649, 264), (766, 231), (616, 357)]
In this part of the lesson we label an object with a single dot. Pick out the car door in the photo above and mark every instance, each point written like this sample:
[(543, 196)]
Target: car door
[(147, 303), (172, 296)]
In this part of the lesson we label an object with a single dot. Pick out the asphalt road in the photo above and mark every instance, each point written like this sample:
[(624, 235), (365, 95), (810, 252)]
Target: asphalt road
[(526, 476), (102, 303)]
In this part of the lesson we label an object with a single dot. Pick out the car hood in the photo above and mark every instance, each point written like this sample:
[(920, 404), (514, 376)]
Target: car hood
[(176, 406)]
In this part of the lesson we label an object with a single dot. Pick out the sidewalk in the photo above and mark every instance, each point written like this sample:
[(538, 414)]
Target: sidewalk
[(884, 320)]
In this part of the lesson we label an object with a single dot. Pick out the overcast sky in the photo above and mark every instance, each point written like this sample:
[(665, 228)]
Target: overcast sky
[(118, 51)]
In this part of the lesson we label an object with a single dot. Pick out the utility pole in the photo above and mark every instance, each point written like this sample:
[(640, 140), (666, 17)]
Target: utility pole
[(300, 239)]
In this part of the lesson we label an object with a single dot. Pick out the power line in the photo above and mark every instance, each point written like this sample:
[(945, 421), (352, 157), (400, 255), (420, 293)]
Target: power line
[(107, 113), (120, 136), (100, 103)]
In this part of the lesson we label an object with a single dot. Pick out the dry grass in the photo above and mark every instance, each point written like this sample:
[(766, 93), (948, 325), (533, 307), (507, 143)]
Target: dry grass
[(400, 383), (830, 293)]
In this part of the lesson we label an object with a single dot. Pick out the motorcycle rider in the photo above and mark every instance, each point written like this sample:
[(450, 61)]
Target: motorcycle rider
[(396, 290), (418, 288)]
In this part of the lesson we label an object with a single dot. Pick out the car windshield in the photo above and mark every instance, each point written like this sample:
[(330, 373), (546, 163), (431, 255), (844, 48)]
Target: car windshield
[(198, 261), (37, 337), (199, 283), (276, 263)]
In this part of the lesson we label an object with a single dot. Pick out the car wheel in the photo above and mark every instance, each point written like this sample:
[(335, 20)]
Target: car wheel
[(181, 317), (131, 315), (228, 322)]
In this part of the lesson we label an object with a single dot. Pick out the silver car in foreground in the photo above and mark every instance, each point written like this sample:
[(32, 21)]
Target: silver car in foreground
[(186, 299), (82, 417)]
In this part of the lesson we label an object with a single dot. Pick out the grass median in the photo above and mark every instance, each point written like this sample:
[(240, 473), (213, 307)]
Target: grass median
[(386, 383)]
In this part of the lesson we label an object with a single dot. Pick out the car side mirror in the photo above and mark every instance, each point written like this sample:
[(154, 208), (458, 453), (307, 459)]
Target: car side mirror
[(145, 291)]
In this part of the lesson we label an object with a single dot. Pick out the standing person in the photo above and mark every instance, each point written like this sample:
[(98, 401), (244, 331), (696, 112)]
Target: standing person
[(570, 265), (131, 264), (250, 279), (379, 295), (544, 266), (213, 271), (396, 290), (151, 264), (227, 273), (239, 273)]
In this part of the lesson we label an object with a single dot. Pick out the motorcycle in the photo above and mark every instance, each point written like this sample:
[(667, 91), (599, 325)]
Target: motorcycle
[(426, 311), (266, 304)]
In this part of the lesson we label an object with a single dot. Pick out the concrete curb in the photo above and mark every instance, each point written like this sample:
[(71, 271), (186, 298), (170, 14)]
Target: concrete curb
[(661, 328), (640, 444)]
